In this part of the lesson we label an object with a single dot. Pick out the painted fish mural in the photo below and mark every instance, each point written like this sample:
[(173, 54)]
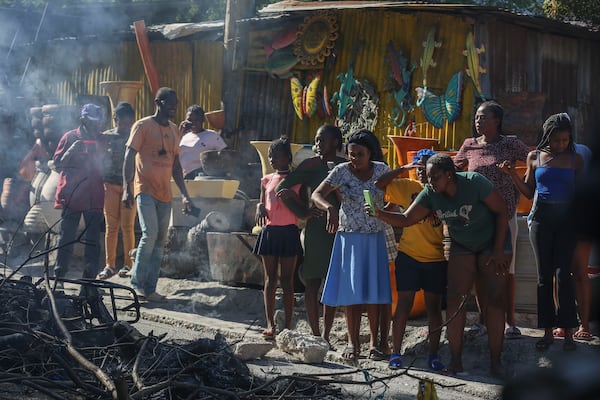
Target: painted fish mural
[(474, 68)]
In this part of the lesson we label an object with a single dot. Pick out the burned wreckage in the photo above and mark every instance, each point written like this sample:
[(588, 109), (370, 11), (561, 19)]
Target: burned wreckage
[(75, 339)]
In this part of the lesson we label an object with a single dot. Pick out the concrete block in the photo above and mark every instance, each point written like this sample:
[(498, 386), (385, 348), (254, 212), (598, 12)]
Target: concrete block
[(303, 346), (246, 351)]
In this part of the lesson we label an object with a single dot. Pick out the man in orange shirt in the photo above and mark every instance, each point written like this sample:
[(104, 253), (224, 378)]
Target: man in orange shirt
[(152, 158)]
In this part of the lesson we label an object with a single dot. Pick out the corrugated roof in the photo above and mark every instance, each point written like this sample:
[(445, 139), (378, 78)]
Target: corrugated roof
[(532, 21)]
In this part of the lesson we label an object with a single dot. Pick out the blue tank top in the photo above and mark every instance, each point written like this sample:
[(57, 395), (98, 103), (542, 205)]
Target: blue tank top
[(554, 184)]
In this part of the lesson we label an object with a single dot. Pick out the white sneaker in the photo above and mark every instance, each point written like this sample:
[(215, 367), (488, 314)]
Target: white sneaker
[(158, 298)]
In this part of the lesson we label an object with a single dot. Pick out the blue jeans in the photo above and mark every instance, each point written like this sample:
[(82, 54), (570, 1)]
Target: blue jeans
[(154, 221), (68, 233)]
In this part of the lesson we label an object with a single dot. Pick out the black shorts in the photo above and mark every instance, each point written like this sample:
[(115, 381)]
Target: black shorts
[(280, 241), (412, 275)]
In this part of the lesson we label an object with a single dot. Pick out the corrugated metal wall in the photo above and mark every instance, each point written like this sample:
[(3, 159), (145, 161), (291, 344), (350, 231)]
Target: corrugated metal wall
[(374, 28), (563, 69), (192, 68)]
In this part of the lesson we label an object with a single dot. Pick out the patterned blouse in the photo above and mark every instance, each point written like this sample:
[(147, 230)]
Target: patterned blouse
[(353, 217), (483, 158)]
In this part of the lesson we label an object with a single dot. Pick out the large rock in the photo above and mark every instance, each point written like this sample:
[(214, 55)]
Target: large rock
[(246, 351), (303, 346)]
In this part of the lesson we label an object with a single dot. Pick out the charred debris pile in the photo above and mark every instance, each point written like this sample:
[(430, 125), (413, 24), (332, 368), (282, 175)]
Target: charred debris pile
[(81, 343)]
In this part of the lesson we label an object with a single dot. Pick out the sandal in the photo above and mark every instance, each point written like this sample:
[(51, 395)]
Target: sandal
[(268, 334), (476, 330), (434, 363), (558, 333), (350, 354), (106, 273), (124, 272), (395, 361), (544, 343), (582, 334), (512, 332), (377, 355)]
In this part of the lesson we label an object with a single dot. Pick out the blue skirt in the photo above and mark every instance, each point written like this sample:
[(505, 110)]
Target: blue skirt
[(358, 271)]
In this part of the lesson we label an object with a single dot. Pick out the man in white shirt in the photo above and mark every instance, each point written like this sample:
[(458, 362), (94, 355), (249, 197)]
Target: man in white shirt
[(195, 141)]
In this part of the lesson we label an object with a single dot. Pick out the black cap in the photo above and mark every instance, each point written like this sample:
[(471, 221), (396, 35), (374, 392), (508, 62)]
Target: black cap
[(123, 109)]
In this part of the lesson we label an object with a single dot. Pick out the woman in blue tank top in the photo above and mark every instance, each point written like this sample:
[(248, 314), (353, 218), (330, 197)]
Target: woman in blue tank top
[(551, 171)]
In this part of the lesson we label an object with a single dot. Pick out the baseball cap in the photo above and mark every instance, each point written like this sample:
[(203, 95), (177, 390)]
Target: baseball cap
[(92, 112), (421, 154), (124, 108)]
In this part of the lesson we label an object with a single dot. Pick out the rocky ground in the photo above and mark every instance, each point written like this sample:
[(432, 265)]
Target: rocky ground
[(237, 312)]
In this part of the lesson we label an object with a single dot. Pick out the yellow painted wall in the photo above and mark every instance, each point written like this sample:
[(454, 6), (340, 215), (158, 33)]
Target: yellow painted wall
[(375, 28), (192, 68)]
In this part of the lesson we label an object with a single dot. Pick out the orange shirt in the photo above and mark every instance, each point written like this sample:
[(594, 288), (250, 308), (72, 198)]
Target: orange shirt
[(156, 147)]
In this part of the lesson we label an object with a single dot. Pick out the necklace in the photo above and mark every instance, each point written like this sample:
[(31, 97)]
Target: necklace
[(285, 171)]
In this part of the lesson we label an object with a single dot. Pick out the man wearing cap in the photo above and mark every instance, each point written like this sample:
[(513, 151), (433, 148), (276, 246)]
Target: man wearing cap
[(80, 192), (151, 159), (116, 215)]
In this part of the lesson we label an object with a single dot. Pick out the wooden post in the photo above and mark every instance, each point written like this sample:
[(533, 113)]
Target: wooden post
[(141, 37), (233, 43)]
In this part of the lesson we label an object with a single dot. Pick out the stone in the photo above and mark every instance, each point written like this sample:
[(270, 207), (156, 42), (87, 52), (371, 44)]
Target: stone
[(246, 351), (303, 346)]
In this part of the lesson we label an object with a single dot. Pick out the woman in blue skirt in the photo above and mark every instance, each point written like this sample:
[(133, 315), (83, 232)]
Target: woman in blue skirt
[(358, 271)]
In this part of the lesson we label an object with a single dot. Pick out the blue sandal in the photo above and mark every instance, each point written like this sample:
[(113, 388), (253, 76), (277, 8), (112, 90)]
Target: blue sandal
[(395, 361), (434, 363)]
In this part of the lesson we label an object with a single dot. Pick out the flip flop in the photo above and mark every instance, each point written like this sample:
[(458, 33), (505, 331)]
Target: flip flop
[(377, 355), (395, 361), (434, 363), (124, 272), (512, 332), (350, 354), (583, 335), (106, 273), (476, 330), (268, 334), (558, 333)]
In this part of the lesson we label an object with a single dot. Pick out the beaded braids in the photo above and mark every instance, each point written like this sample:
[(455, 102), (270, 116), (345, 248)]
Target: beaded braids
[(555, 123)]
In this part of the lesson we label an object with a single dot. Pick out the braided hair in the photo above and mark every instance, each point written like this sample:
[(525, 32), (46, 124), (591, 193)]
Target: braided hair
[(283, 145), (555, 123)]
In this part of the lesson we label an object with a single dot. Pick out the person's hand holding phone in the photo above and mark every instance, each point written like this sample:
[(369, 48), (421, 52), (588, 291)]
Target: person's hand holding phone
[(369, 203)]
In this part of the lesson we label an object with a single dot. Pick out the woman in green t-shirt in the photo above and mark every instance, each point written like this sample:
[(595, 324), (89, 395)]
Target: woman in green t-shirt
[(480, 248)]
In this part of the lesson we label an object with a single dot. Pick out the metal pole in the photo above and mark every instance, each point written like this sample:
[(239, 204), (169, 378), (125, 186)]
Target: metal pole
[(37, 32)]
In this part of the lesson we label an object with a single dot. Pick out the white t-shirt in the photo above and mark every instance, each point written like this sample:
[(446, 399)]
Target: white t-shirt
[(192, 145)]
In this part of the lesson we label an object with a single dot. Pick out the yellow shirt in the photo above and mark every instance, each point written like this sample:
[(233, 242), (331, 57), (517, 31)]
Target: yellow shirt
[(424, 240), (156, 147)]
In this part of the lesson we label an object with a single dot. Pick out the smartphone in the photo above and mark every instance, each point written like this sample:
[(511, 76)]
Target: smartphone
[(369, 200)]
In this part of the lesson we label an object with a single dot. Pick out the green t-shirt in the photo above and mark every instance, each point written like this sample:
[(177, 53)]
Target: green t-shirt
[(470, 222)]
